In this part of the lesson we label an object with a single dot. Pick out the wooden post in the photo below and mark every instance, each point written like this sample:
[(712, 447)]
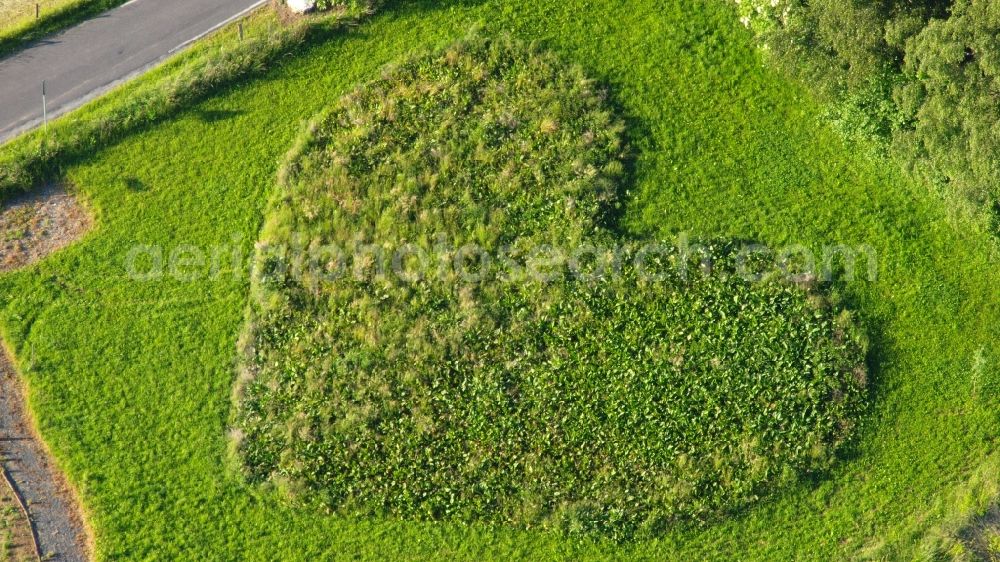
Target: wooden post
[(38, 10), (45, 109), (240, 26)]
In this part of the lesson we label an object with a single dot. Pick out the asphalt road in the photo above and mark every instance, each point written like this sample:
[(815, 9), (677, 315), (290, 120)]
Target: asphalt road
[(84, 61)]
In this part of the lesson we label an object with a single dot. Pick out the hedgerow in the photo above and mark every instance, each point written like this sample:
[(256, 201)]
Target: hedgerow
[(614, 402)]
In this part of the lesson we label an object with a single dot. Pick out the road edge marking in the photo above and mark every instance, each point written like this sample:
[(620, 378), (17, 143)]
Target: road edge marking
[(217, 26)]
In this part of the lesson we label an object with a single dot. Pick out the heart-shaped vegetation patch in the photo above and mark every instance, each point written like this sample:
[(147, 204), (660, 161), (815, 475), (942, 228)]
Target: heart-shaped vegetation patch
[(442, 328)]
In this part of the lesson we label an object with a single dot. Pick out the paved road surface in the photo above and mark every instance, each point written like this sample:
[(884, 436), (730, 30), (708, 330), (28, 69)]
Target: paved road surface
[(86, 60)]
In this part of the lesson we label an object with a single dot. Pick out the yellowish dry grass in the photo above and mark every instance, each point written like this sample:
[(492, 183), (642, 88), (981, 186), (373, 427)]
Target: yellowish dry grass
[(15, 13)]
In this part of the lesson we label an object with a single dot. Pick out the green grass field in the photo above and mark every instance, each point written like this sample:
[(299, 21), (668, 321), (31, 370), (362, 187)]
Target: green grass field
[(131, 380)]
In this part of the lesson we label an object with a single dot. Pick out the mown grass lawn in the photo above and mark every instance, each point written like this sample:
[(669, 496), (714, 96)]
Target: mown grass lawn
[(131, 379)]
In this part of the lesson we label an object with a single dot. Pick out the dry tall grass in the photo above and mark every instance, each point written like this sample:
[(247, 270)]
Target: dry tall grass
[(14, 13)]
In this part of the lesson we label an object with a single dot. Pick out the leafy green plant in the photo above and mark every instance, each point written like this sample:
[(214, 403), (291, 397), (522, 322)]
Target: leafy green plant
[(613, 405), (914, 79), (994, 545), (349, 4)]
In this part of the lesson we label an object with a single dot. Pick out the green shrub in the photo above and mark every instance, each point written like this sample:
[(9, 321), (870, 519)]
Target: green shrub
[(832, 45), (914, 78), (838, 46), (610, 403), (954, 139)]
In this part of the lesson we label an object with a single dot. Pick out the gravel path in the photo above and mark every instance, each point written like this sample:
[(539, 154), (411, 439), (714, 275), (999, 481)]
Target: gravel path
[(51, 504)]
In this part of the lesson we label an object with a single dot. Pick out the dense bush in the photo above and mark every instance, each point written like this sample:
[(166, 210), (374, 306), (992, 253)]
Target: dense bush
[(610, 403), (838, 45), (917, 78), (954, 98), (842, 41)]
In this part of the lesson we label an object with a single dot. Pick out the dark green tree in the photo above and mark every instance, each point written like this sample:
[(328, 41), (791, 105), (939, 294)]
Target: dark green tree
[(953, 138)]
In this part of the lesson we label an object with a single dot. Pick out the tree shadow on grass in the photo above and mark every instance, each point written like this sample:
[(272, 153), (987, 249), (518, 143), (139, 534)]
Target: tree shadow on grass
[(405, 7), (636, 129), (982, 535), (216, 115), (135, 185)]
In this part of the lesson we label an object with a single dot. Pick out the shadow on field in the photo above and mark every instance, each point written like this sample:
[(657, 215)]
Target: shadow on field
[(635, 130), (216, 115), (413, 6), (136, 185), (982, 535), (878, 355)]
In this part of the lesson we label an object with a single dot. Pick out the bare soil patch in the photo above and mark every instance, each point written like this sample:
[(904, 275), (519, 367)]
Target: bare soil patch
[(36, 224)]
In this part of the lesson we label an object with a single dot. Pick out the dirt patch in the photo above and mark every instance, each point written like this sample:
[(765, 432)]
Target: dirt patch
[(36, 224), (52, 506)]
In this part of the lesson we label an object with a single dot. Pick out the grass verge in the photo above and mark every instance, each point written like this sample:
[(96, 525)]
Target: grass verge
[(218, 62)]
